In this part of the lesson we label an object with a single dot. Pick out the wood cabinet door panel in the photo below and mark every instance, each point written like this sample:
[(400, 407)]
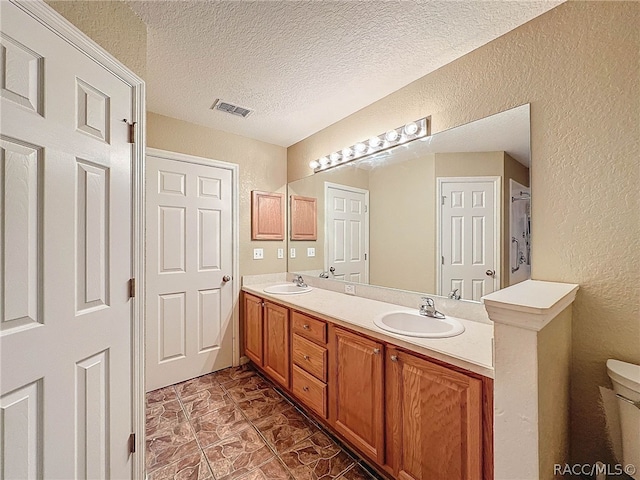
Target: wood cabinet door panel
[(356, 409), (253, 328), (434, 420), (276, 358)]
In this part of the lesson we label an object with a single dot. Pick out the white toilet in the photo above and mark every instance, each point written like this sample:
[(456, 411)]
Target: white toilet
[(626, 383)]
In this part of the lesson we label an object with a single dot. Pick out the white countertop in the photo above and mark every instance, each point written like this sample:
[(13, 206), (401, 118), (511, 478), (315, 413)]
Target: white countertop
[(472, 350)]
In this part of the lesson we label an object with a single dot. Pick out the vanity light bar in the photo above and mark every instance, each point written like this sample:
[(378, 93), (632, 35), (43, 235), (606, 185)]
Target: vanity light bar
[(384, 141)]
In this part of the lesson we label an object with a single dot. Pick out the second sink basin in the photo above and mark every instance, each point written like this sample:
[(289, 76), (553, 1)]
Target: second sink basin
[(416, 325), (287, 289)]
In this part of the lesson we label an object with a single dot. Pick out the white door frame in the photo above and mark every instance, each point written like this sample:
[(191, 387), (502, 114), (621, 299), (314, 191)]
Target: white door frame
[(235, 218), (497, 225), (348, 188), (55, 22)]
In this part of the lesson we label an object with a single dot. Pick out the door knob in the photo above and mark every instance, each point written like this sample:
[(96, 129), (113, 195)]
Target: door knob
[(490, 273), (332, 269), (226, 278)]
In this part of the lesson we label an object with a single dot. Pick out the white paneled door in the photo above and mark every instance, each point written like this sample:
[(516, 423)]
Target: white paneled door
[(469, 230), (347, 233), (189, 248), (66, 319)]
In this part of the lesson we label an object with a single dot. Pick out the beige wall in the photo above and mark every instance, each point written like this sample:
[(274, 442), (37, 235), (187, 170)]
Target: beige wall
[(402, 220), (113, 26), (262, 167), (578, 66)]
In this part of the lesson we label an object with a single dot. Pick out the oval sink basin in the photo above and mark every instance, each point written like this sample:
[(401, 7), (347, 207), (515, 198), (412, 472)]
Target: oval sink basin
[(287, 289), (416, 325)]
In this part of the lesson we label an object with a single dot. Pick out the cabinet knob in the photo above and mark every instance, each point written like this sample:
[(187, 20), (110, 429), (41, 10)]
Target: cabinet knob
[(306, 389), (376, 351), (394, 358), (306, 327), (262, 304), (307, 357)]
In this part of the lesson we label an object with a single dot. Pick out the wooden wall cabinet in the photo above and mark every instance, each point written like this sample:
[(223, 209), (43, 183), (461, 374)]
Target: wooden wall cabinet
[(276, 357), (434, 420), (304, 218), (267, 216), (356, 408)]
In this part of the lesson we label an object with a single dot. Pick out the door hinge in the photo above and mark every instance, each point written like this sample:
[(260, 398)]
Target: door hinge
[(132, 287), (132, 130), (366, 208), (365, 256), (442, 259), (132, 443), (443, 197)]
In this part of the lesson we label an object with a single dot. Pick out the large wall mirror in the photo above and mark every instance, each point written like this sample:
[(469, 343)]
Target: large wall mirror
[(447, 214)]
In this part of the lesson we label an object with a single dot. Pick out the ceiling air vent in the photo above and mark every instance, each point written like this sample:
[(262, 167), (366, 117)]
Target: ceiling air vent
[(231, 108)]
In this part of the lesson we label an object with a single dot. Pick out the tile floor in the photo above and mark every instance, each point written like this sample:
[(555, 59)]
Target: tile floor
[(233, 424)]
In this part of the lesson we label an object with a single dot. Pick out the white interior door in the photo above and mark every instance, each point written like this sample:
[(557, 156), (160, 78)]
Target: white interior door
[(189, 290), (347, 233), (469, 236), (66, 255)]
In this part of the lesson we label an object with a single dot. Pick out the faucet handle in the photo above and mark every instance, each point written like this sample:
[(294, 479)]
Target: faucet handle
[(428, 301)]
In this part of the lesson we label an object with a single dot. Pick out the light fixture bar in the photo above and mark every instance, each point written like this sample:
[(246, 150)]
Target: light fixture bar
[(406, 133)]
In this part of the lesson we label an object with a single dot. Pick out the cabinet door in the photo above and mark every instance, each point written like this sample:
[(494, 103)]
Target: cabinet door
[(253, 328), (356, 391), (276, 343), (434, 420)]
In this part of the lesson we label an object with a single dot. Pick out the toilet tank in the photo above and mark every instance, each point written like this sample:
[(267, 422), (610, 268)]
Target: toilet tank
[(626, 383)]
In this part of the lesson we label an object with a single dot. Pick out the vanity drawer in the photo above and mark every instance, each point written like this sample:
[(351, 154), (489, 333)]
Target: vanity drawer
[(309, 327), (310, 357), (310, 390)]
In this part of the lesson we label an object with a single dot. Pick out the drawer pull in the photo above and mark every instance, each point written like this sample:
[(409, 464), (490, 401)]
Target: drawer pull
[(376, 351), (307, 357), (306, 389), (305, 326), (394, 358)]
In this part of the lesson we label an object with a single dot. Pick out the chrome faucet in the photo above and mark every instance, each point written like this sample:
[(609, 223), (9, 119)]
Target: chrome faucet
[(454, 295), (428, 308), (297, 279)]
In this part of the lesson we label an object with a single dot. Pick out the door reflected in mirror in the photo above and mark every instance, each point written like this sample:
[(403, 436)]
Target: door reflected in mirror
[(448, 214)]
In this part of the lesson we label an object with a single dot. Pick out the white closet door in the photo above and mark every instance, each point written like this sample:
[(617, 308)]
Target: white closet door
[(347, 233), (468, 238), (66, 256), (189, 297)]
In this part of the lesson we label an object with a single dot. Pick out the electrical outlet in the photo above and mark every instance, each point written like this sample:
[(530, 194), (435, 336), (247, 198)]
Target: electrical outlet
[(311, 252), (292, 253), (350, 289), (258, 253), (281, 253)]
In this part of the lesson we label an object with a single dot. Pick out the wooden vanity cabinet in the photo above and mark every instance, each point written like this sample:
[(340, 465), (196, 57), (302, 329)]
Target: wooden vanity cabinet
[(356, 379), (414, 417), (253, 328), (276, 355), (434, 420)]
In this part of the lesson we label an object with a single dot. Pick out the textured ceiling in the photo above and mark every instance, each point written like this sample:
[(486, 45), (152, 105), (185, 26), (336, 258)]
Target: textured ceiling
[(303, 65)]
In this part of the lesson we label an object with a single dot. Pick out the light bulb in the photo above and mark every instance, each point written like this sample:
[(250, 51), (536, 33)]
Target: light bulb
[(346, 153), (391, 136), (324, 161), (411, 128), (314, 164), (334, 157), (360, 147), (374, 142)]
